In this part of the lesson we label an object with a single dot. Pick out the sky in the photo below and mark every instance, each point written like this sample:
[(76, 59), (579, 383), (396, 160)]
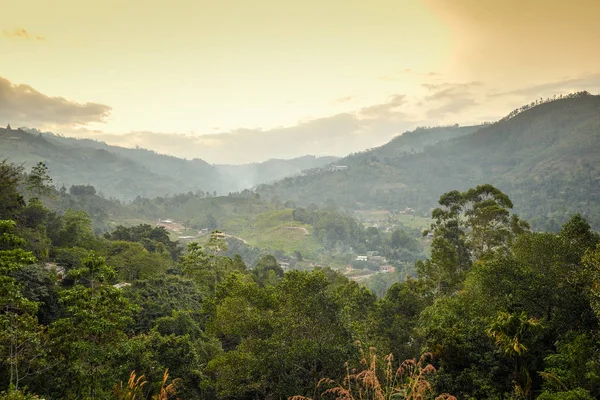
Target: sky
[(236, 81)]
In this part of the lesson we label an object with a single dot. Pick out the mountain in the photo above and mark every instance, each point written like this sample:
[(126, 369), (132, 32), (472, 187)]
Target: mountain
[(110, 173), (543, 155), (250, 175), (126, 173)]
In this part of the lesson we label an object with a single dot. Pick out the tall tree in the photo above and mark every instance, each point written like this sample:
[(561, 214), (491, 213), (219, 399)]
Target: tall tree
[(21, 338), (90, 336), (11, 201), (468, 226), (38, 180)]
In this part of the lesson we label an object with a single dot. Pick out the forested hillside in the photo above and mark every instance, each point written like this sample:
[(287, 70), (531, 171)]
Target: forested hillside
[(116, 175), (299, 238), (127, 173), (544, 155), (496, 311)]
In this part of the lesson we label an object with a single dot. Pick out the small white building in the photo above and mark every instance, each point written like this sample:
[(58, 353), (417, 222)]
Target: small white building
[(121, 285)]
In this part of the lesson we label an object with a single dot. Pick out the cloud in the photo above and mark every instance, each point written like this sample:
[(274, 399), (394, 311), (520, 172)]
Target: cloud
[(20, 33), (569, 85), (342, 133), (337, 134), (450, 98), (345, 99), (23, 105), (389, 110)]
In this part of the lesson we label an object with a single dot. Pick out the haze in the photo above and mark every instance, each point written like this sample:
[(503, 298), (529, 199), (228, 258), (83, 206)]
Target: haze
[(238, 81)]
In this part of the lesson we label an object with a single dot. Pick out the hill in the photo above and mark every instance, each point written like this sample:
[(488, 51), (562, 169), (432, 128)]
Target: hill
[(111, 173), (126, 173), (250, 175), (543, 155)]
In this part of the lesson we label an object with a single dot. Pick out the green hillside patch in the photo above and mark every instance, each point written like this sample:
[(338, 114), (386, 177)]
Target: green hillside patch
[(274, 230), (543, 155)]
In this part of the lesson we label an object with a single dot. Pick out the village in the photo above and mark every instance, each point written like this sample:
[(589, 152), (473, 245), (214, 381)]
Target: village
[(358, 267)]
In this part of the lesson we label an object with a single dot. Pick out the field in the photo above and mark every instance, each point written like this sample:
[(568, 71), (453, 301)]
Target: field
[(274, 230)]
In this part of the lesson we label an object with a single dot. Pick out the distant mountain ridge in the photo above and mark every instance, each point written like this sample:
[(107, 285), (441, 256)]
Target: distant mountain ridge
[(545, 156), (126, 173)]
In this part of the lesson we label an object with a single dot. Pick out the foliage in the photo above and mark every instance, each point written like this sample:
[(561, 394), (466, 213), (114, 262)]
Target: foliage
[(544, 158), (135, 388), (497, 311), (409, 381)]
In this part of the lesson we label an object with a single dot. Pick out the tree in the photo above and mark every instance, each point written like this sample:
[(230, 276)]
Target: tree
[(38, 180), (396, 316), (132, 261), (291, 336), (11, 201), (90, 335), (76, 229), (21, 338), (267, 271), (238, 264), (469, 226), (206, 265), (513, 333)]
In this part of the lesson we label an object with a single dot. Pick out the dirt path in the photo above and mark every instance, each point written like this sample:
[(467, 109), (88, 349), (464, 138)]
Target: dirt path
[(235, 237), (299, 228)]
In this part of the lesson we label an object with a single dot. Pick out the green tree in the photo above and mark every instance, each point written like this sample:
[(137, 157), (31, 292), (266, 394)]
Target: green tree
[(513, 333), (469, 226), (87, 339), (11, 201), (21, 338), (159, 297), (132, 261), (39, 181), (76, 230), (267, 271)]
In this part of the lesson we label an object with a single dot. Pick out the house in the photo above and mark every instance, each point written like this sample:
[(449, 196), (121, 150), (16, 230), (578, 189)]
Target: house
[(361, 258), (57, 269), (386, 269), (121, 285), (372, 253), (284, 265)]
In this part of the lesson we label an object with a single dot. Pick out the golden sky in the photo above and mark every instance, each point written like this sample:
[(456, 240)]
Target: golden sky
[(315, 76)]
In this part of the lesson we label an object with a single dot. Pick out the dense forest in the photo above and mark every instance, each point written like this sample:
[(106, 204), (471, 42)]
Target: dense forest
[(300, 237), (544, 155), (496, 311)]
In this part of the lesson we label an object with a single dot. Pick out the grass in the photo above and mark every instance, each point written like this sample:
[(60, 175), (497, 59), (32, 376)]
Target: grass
[(383, 217), (377, 379), (414, 221), (274, 230)]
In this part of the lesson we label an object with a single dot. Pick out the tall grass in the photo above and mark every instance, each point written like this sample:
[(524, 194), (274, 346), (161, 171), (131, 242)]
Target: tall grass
[(410, 381), (134, 390)]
